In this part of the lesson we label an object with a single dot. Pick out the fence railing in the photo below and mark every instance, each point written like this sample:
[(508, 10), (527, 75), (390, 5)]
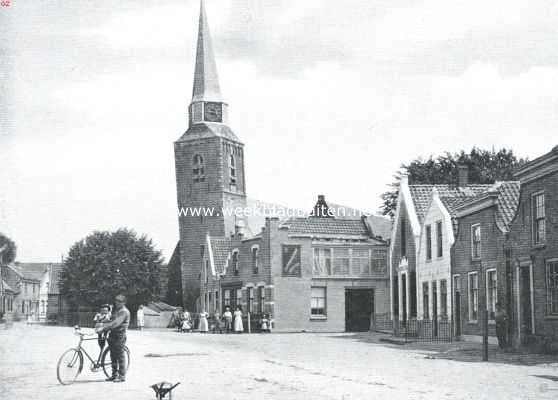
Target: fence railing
[(425, 330)]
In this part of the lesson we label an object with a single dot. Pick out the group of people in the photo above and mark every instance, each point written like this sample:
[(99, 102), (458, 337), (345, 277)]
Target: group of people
[(228, 322)]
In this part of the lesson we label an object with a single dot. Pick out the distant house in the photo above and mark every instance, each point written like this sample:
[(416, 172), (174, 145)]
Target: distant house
[(57, 305), (533, 243), (29, 282)]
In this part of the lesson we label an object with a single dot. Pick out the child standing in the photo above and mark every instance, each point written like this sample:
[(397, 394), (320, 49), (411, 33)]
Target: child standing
[(103, 316)]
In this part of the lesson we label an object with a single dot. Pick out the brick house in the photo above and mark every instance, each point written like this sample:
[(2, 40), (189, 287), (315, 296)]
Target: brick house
[(481, 259), (533, 242), (311, 274), (419, 207)]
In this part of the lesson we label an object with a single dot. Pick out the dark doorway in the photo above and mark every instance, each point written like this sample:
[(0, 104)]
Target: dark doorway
[(526, 318), (435, 308), (457, 305), (359, 307)]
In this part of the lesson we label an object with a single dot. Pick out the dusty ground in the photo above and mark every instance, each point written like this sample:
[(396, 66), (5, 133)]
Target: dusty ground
[(276, 366)]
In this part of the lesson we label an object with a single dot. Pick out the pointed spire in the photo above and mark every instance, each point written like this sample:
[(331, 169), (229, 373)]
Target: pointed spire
[(206, 80)]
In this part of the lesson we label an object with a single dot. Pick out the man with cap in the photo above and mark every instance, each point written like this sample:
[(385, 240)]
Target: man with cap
[(117, 338)]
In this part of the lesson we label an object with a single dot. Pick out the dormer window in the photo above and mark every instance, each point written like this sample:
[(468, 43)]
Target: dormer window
[(198, 169), (232, 172)]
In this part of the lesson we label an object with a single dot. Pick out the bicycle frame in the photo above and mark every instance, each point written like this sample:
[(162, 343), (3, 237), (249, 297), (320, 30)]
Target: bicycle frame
[(82, 349)]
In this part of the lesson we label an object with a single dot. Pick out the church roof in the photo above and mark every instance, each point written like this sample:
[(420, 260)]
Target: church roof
[(206, 80), (208, 130)]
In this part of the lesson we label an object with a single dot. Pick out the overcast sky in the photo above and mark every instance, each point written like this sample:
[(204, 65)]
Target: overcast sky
[(329, 97)]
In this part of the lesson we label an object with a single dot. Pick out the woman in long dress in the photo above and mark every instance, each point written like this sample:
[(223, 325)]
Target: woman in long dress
[(203, 322), (140, 317), (238, 327)]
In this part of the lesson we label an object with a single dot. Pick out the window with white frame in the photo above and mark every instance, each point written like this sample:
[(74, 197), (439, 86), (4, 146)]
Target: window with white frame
[(473, 296), (443, 298), (341, 261), (318, 302), (198, 169), (539, 219), (476, 241), (227, 297), (425, 301), (360, 261), (255, 260), (428, 242), (403, 238), (238, 297), (261, 299), (491, 293), (439, 239), (250, 307), (235, 266), (552, 287)]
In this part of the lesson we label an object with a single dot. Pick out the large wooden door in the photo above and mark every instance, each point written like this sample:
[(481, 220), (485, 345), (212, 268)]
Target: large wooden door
[(359, 307)]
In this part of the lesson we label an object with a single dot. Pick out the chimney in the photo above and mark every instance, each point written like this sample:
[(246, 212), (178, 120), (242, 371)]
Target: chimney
[(462, 175), (321, 210)]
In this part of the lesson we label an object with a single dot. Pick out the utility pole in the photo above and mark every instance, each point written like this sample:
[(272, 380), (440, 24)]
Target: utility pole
[(2, 249), (484, 318)]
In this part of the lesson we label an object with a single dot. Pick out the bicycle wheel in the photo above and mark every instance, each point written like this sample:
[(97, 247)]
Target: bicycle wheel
[(69, 366), (106, 361)]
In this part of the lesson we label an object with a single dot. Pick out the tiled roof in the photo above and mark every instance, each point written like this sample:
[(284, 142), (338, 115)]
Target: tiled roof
[(34, 271), (507, 193), (221, 248), (159, 306), (326, 226), (508, 201), (450, 195), (380, 226)]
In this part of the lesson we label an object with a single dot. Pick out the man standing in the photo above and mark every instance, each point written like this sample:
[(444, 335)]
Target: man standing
[(501, 325), (117, 338)]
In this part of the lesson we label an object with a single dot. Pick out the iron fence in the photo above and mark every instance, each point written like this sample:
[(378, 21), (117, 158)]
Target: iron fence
[(422, 330)]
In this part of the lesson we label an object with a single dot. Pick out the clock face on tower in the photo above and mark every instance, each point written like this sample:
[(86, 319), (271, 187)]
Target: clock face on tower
[(213, 112)]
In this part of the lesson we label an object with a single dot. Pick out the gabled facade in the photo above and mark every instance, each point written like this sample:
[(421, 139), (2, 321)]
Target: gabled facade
[(481, 268), (413, 204), (533, 244), (434, 262)]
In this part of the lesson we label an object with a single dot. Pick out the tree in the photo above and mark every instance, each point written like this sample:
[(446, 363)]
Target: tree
[(105, 264), (485, 167), (8, 249)]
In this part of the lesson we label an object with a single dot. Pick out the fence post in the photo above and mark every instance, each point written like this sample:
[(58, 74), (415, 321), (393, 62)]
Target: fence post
[(249, 327), (485, 335)]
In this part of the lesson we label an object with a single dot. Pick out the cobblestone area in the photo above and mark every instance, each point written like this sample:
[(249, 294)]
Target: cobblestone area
[(275, 366)]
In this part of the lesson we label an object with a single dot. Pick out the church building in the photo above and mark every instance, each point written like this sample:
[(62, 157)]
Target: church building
[(322, 272)]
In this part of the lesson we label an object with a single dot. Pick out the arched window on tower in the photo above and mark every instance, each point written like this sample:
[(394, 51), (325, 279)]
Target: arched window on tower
[(232, 169), (198, 169)]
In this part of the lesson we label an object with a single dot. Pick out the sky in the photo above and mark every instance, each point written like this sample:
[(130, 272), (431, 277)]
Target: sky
[(329, 98)]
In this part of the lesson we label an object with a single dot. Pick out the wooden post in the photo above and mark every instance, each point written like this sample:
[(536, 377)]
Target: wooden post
[(485, 336), (249, 330)]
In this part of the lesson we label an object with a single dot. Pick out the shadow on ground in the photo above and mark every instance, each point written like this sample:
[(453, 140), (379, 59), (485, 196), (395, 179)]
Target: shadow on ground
[(457, 351)]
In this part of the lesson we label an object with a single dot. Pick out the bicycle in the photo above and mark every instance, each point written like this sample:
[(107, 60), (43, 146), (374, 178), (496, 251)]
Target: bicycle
[(71, 361)]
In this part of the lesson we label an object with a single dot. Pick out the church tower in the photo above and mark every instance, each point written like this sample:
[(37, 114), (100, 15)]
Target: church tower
[(209, 160)]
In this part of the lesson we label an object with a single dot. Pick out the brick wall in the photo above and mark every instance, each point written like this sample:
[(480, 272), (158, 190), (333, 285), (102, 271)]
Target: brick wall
[(214, 192), (524, 251), (492, 257)]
